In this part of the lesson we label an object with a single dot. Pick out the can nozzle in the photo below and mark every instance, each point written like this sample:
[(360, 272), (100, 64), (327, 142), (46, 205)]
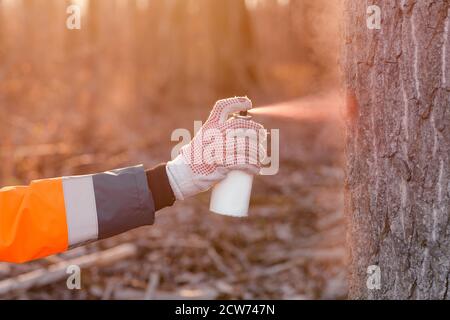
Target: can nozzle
[(242, 115)]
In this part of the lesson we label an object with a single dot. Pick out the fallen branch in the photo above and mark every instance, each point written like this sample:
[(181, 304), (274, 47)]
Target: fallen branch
[(152, 285), (310, 254), (56, 272), (218, 261), (297, 258), (41, 150)]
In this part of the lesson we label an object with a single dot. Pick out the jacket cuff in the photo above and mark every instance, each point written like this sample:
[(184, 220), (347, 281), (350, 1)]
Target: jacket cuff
[(159, 186)]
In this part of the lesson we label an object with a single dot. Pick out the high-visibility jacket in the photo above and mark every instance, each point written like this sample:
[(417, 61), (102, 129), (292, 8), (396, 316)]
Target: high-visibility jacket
[(53, 215)]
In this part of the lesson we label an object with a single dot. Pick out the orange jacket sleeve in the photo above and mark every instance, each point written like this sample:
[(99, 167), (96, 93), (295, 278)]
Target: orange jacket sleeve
[(50, 216), (32, 221)]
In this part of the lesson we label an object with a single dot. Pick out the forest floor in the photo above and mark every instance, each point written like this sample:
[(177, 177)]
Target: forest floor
[(292, 245)]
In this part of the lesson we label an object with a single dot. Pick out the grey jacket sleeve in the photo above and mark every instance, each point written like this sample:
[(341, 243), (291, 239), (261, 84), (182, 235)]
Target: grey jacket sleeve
[(123, 200)]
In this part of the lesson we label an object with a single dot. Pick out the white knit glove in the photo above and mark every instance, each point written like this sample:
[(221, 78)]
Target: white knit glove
[(221, 145)]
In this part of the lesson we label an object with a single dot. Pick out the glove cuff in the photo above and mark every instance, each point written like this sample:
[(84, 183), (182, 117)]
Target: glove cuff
[(181, 179)]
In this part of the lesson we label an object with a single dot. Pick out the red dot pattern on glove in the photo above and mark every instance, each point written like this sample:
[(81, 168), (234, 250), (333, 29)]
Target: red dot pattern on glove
[(223, 142)]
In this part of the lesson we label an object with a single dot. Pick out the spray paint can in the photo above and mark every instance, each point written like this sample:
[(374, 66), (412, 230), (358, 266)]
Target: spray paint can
[(231, 196)]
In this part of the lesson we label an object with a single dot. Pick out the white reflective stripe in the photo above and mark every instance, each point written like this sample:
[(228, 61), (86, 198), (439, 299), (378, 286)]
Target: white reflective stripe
[(81, 209)]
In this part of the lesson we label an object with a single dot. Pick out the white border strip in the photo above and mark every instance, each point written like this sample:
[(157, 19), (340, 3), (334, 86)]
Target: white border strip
[(81, 209)]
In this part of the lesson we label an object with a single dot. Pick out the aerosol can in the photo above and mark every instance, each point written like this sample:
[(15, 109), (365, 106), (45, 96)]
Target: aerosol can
[(231, 196)]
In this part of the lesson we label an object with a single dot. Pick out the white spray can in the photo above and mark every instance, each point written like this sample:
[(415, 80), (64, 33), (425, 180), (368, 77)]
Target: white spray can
[(231, 196)]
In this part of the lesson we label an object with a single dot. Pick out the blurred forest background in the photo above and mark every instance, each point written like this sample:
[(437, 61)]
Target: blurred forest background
[(110, 94)]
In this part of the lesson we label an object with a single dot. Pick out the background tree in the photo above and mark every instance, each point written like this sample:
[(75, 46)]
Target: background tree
[(398, 148), (232, 44)]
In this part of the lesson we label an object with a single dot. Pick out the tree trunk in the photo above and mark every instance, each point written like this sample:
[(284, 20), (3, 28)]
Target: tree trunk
[(233, 45), (398, 149)]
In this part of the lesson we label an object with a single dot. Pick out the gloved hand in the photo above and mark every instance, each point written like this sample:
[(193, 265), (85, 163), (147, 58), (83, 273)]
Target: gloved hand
[(197, 168)]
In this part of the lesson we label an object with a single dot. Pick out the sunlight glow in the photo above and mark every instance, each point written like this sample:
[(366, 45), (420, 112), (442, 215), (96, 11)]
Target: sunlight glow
[(83, 5), (11, 3), (252, 4), (283, 2), (142, 4)]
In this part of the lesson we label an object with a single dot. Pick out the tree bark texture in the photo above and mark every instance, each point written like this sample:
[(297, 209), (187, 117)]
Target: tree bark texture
[(398, 148)]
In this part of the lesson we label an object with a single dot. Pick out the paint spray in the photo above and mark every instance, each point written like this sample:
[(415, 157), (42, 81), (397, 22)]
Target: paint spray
[(231, 196)]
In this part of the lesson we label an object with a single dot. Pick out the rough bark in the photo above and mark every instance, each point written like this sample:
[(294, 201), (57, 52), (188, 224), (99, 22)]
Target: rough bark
[(398, 148)]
